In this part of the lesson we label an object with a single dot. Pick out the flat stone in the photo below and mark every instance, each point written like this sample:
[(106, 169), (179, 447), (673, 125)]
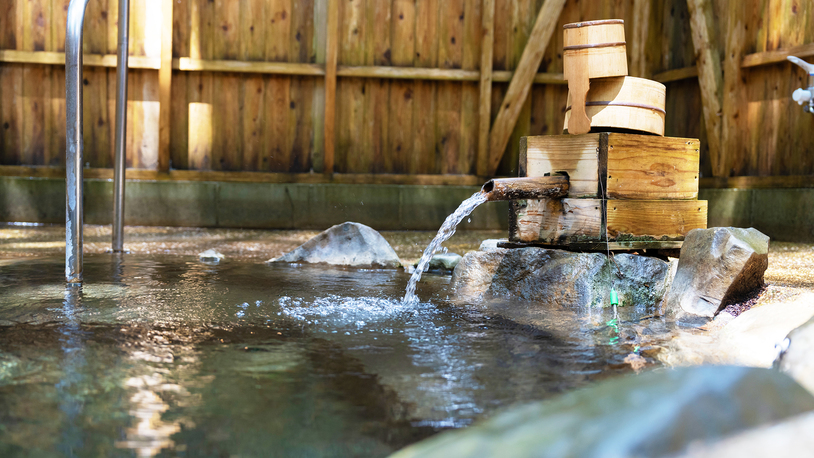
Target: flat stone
[(797, 360), (490, 244), (346, 244), (653, 414), (717, 265)]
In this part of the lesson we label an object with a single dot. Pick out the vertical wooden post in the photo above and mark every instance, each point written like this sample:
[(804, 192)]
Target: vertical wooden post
[(523, 78), (637, 44), (485, 102), (730, 140), (331, 55), (708, 61), (164, 87)]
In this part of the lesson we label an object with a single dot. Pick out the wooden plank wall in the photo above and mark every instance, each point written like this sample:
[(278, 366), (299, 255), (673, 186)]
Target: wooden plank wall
[(256, 122)]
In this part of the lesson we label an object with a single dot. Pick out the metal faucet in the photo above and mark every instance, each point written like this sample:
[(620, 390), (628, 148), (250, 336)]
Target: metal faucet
[(805, 96)]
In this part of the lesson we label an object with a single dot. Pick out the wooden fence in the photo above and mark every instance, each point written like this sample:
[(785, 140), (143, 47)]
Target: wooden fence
[(387, 90)]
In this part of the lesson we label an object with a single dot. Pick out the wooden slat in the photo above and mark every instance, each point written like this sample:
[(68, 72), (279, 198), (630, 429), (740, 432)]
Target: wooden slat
[(250, 177), (402, 54), (302, 89), (656, 219), (425, 113), (377, 95), (485, 100), (710, 77), (470, 92), (521, 82), (331, 59), (165, 87), (449, 97), (732, 89)]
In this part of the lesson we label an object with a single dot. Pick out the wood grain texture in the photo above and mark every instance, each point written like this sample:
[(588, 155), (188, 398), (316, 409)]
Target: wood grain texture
[(659, 220), (521, 82), (485, 85), (710, 77), (558, 221), (650, 167), (165, 87), (331, 59), (577, 155)]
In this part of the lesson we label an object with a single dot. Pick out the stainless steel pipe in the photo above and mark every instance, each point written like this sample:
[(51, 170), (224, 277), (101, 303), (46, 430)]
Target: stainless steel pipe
[(121, 124), (74, 213), (526, 188)]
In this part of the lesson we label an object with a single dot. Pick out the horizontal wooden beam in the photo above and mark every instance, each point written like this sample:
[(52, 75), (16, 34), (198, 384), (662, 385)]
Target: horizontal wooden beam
[(90, 60), (250, 177), (439, 74), (273, 68), (775, 57), (771, 182), (749, 60), (677, 74), (277, 68)]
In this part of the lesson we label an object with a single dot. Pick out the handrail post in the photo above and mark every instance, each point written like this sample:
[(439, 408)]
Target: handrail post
[(121, 124), (74, 213)]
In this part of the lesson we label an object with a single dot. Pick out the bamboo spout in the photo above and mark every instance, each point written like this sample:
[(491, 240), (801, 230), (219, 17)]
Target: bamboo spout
[(526, 188)]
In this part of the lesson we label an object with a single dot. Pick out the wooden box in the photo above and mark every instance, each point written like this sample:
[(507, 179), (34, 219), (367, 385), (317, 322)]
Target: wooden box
[(624, 188)]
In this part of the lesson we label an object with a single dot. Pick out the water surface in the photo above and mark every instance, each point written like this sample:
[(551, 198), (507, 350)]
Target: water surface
[(165, 355)]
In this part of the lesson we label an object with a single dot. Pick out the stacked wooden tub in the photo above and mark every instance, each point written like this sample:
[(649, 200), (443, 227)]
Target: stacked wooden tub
[(630, 187)]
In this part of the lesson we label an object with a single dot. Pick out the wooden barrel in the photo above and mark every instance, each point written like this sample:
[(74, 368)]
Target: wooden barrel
[(626, 102), (593, 49)]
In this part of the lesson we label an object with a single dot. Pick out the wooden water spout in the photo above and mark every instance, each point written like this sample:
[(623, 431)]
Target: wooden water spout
[(553, 187)]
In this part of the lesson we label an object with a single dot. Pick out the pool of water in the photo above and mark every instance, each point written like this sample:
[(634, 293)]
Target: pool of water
[(165, 355)]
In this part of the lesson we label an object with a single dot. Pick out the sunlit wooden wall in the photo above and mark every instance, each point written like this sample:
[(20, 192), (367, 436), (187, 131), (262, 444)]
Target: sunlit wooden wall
[(248, 94)]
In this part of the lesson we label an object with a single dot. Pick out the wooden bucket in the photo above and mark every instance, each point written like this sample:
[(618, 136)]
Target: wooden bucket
[(594, 49), (626, 102)]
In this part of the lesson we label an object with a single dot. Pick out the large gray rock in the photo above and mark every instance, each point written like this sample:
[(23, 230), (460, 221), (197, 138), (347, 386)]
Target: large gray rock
[(751, 339), (716, 265), (346, 244), (653, 414), (797, 359), (560, 278)]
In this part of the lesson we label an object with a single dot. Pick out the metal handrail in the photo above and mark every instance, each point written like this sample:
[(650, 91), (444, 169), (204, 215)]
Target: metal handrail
[(74, 214)]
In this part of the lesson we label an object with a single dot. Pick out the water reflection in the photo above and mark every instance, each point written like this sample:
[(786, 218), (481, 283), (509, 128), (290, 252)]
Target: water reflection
[(73, 362)]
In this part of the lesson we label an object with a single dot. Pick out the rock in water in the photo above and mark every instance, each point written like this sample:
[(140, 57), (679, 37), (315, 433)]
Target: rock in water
[(444, 262), (560, 278), (346, 244), (211, 255), (717, 265), (797, 360), (654, 414)]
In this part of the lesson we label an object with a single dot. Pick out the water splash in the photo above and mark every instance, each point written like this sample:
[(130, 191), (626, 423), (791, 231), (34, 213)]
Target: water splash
[(446, 231)]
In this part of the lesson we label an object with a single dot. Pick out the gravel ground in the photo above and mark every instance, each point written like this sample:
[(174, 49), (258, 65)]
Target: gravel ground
[(23, 241)]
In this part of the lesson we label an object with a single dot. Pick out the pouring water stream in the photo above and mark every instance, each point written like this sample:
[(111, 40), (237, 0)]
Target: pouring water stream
[(446, 231)]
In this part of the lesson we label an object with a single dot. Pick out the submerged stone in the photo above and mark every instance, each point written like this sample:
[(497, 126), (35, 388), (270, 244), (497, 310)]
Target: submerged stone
[(346, 244), (211, 255), (560, 278), (654, 414), (444, 261), (717, 265)]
